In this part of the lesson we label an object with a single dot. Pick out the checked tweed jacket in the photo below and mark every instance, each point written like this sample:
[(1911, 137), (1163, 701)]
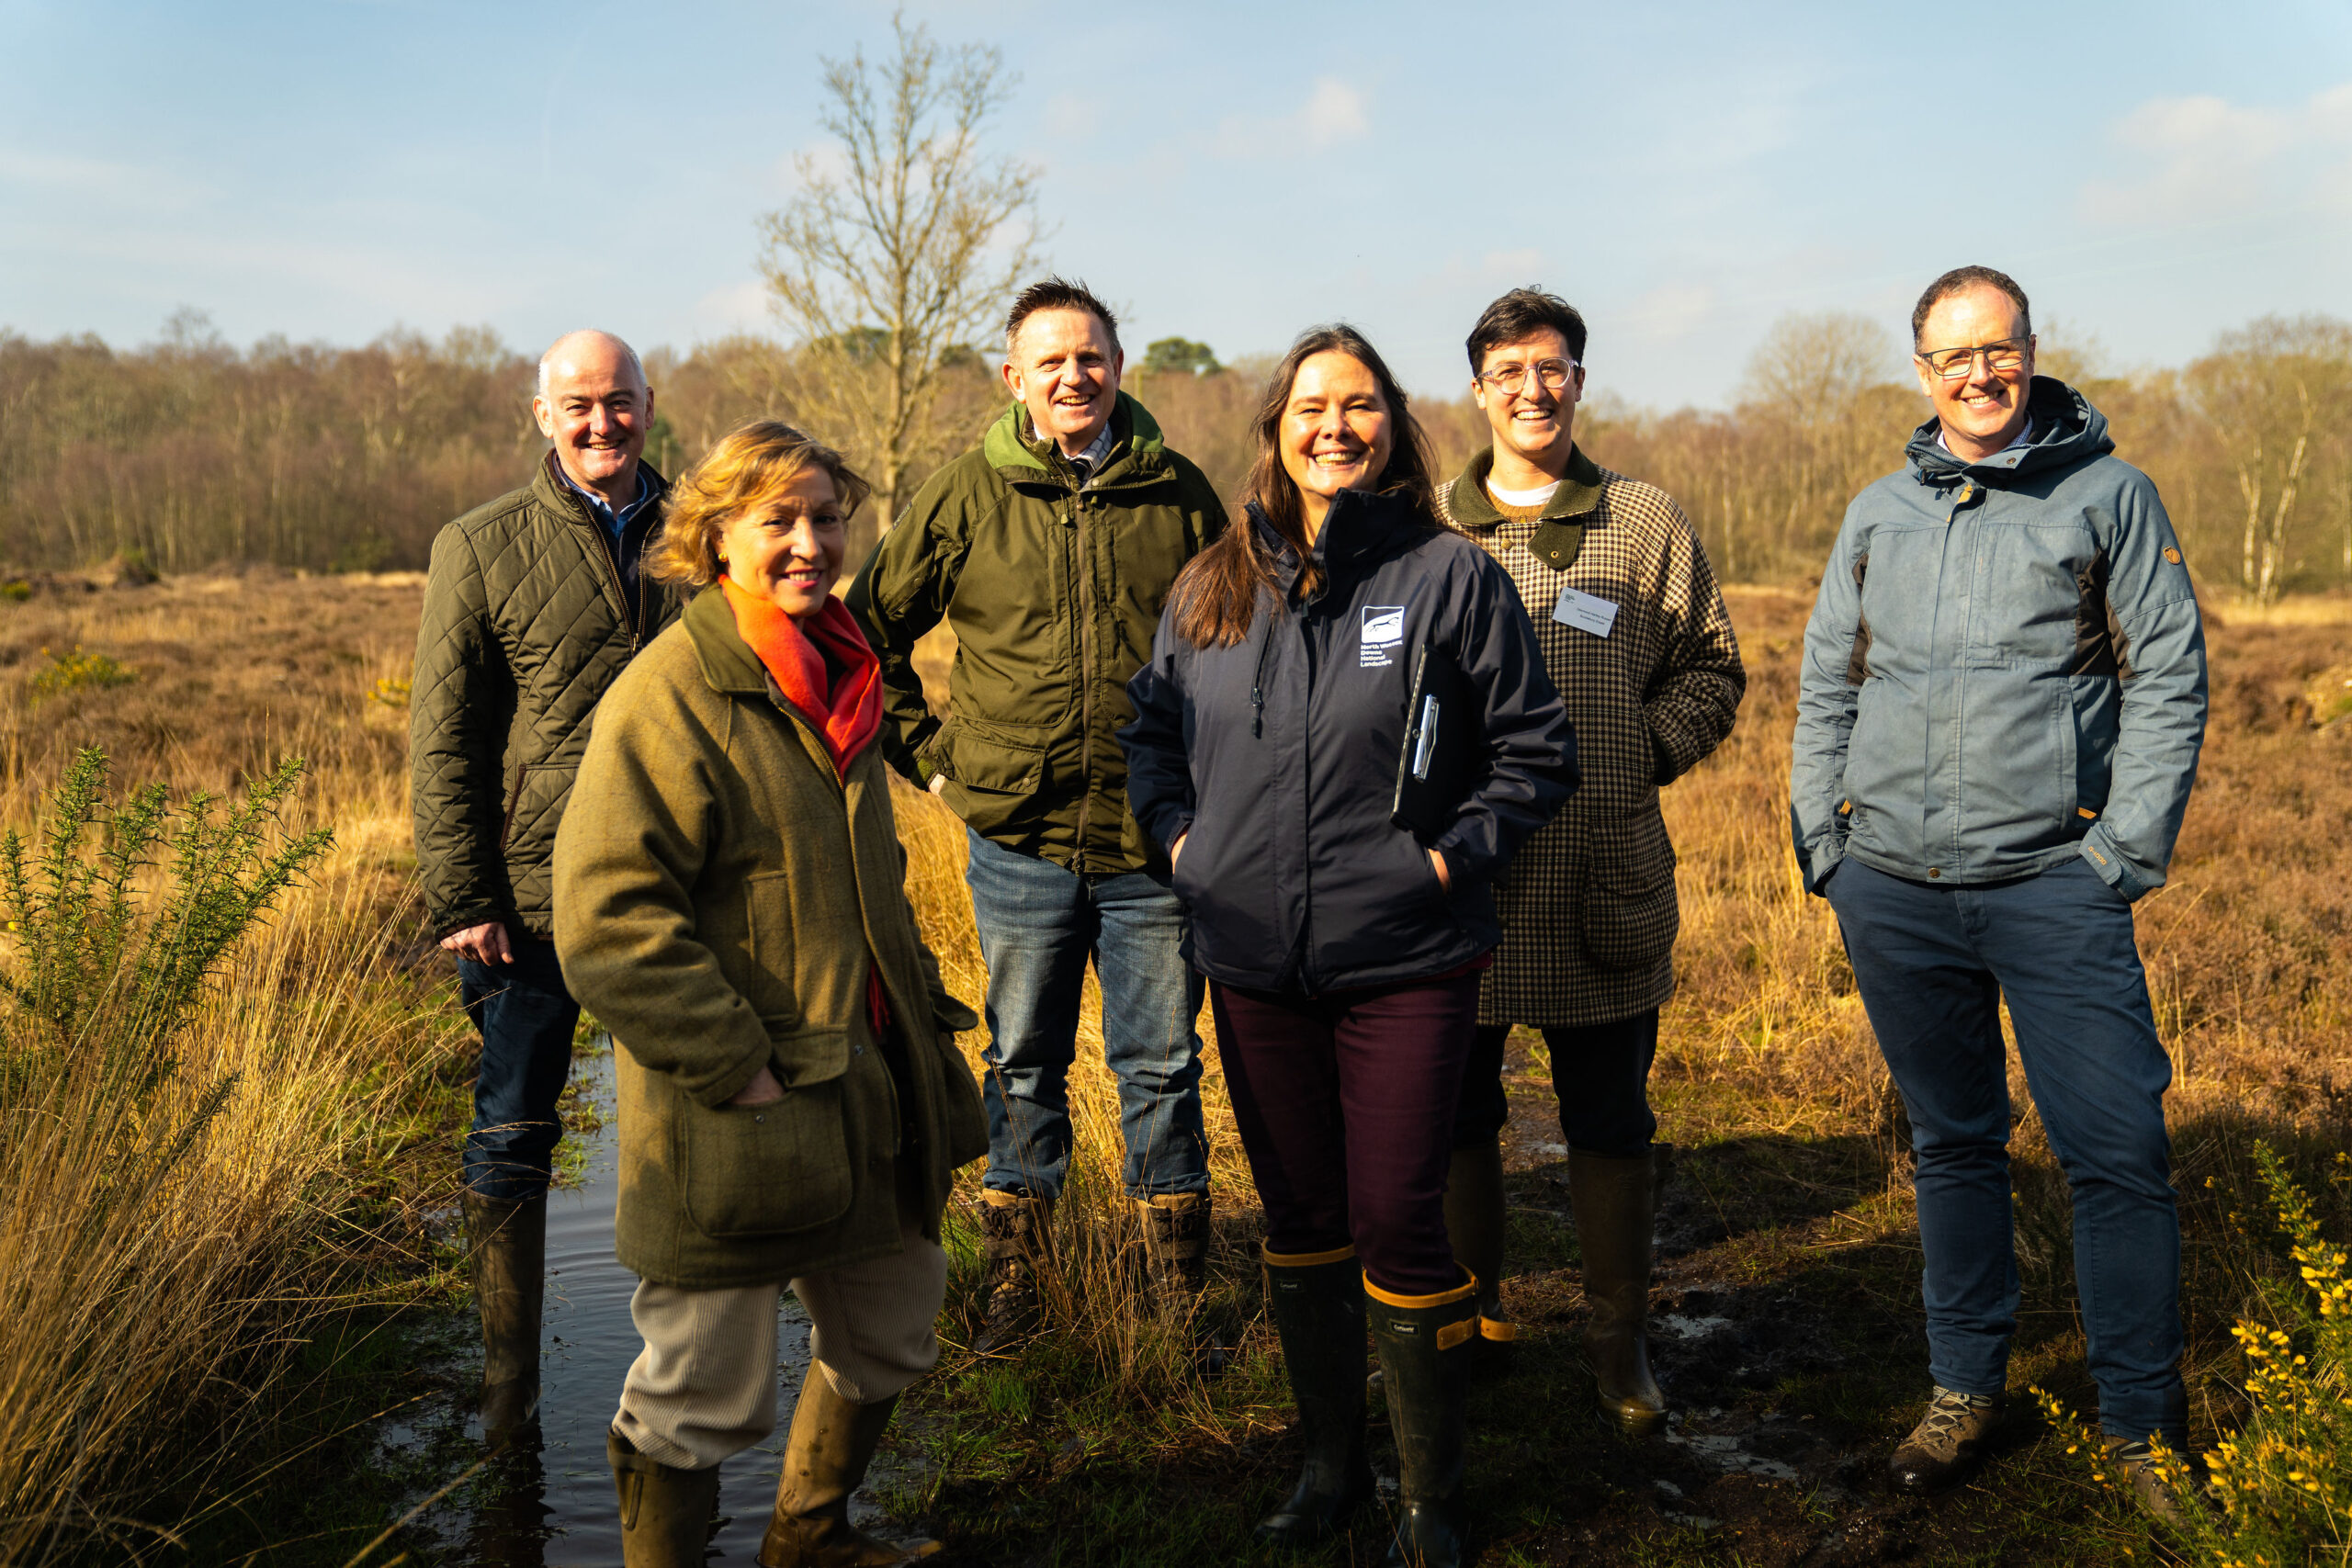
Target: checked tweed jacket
[(1587, 905)]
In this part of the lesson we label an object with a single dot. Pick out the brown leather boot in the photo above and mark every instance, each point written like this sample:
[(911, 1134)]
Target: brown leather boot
[(1016, 1238), (1176, 1269), (825, 1460), (1944, 1447), (1614, 1202), (665, 1511), (1475, 1217), (506, 1250)]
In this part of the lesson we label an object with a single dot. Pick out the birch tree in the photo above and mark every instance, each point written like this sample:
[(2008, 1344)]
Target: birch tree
[(900, 250)]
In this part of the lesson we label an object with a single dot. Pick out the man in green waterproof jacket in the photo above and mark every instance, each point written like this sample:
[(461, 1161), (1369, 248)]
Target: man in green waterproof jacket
[(1049, 548), (535, 603)]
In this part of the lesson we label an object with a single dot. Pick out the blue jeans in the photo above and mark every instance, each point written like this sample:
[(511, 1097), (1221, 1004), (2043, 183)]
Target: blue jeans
[(526, 1018), (1038, 926), (1934, 964)]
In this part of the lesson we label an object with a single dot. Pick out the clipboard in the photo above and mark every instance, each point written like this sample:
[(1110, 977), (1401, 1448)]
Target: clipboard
[(1445, 727)]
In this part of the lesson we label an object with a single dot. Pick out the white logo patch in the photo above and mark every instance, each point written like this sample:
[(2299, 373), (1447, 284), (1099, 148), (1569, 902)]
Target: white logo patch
[(1383, 628)]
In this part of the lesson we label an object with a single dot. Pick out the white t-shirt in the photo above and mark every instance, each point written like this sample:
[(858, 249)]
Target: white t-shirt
[(1535, 497)]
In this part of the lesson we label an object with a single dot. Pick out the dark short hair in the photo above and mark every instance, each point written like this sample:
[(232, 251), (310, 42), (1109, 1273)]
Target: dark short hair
[(1521, 313), (1058, 294), (1964, 277)]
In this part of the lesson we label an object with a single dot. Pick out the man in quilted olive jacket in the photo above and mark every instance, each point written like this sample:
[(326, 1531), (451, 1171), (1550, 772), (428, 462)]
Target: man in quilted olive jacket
[(536, 602), (1637, 637), (1049, 548)]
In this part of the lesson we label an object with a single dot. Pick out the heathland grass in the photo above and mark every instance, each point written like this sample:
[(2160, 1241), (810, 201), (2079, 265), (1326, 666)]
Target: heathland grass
[(242, 1316)]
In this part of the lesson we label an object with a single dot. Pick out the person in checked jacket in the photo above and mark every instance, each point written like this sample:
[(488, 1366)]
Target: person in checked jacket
[(1635, 637)]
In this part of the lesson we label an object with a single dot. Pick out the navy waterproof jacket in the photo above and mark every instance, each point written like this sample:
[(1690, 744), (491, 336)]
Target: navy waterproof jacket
[(2004, 669), (1278, 756)]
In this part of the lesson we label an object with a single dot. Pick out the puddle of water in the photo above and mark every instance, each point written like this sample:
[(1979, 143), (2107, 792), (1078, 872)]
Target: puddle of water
[(1674, 1325), (553, 1506)]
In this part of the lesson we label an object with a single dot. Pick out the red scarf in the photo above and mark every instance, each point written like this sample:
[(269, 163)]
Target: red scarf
[(850, 715)]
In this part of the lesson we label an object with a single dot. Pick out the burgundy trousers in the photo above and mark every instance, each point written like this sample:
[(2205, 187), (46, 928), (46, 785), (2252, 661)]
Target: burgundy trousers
[(1345, 1104)]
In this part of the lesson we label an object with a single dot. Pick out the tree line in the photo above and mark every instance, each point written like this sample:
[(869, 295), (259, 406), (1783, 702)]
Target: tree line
[(194, 453)]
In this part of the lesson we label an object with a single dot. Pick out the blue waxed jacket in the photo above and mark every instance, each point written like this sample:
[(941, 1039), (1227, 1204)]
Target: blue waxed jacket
[(2004, 668), (1279, 756)]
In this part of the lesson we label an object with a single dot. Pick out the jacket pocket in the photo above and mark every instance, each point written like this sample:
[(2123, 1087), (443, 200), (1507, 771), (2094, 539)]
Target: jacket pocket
[(1629, 916), (1000, 759), (534, 803), (748, 1170)]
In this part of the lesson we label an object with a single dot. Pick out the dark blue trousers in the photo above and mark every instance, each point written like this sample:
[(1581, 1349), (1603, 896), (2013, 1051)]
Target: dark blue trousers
[(526, 1018), (1601, 1076), (1934, 964)]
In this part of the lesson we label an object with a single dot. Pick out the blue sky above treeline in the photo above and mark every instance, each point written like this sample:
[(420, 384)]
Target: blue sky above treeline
[(2153, 171)]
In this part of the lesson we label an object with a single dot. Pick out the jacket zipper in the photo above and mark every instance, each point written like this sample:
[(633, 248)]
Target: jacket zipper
[(1085, 671)]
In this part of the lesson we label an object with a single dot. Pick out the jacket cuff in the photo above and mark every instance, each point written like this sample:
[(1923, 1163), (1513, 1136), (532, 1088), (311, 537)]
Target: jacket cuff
[(2114, 869), (1823, 857), (949, 1016), (466, 920), (727, 1085)]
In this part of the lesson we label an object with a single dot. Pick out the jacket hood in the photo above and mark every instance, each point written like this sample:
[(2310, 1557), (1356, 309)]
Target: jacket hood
[(1358, 525), (2066, 431), (1137, 448)]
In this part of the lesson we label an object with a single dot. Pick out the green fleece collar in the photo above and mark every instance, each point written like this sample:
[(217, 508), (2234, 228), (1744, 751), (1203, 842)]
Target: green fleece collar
[(728, 662), (1013, 448)]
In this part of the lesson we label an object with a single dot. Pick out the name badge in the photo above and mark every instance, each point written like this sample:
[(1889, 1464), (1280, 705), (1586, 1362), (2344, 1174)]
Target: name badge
[(1585, 613)]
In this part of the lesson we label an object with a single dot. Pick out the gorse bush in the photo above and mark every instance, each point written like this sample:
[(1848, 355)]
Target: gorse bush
[(2281, 1488), (94, 972), (76, 671)]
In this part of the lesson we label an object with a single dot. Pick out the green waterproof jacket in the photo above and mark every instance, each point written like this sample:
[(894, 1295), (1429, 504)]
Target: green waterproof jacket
[(526, 624), (1054, 590), (722, 893)]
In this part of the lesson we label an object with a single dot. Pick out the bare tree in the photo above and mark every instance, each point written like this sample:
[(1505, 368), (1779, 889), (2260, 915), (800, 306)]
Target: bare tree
[(888, 265), (2275, 395)]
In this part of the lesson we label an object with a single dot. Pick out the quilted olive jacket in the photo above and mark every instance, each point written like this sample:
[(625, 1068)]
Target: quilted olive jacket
[(1588, 906), (720, 894), (526, 624)]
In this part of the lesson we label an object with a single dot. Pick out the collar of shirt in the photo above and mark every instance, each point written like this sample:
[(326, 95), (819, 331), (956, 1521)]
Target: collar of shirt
[(2024, 435), (615, 524), (1086, 462)]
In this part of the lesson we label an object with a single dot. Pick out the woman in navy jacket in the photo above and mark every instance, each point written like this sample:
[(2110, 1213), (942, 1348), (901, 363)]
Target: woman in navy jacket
[(1343, 953)]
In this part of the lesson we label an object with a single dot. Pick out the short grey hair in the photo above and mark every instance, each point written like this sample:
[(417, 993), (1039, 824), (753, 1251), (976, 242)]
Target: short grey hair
[(636, 365)]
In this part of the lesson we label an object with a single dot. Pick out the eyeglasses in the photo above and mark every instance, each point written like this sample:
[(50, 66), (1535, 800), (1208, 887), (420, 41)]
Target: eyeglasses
[(1552, 374), (2002, 358)]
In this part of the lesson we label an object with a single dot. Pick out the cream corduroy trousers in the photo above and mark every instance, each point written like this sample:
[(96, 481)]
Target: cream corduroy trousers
[(704, 1387)]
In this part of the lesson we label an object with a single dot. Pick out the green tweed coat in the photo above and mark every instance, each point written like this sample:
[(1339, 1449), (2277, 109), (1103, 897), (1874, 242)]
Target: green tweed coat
[(718, 890)]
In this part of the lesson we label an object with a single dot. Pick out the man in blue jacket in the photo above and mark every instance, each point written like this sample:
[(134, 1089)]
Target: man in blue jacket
[(1998, 719)]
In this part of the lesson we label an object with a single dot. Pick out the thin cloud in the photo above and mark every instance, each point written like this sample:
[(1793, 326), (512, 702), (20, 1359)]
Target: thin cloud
[(2203, 154), (1334, 112)]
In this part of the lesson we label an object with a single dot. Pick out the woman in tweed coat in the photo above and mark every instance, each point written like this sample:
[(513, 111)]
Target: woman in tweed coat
[(1635, 636)]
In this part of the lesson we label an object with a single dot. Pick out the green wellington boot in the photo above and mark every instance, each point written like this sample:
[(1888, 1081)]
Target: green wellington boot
[(1475, 1217), (506, 1250), (825, 1460), (1425, 1344), (665, 1511), (1615, 1202), (1317, 1300)]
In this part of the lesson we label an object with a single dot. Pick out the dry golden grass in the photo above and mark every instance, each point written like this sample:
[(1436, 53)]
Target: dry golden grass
[(115, 1325)]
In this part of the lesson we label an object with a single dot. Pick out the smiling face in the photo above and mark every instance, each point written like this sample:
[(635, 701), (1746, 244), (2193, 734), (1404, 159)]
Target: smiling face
[(596, 408), (1983, 410), (1337, 431), (1533, 424), (787, 547), (1064, 366)]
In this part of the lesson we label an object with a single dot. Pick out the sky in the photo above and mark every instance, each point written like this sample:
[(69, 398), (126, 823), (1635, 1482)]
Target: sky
[(2153, 173)]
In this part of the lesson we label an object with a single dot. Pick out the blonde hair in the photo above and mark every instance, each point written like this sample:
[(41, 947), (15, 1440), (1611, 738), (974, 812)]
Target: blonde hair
[(746, 465)]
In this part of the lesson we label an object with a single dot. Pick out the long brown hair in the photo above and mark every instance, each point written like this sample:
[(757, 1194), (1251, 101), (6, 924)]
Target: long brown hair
[(1216, 594)]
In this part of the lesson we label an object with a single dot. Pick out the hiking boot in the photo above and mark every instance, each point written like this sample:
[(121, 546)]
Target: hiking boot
[(1176, 1267), (825, 1460), (665, 1511), (2165, 1487), (1317, 1301), (1016, 1237), (1475, 1219), (1424, 1346), (1616, 1202), (1946, 1443), (506, 1249)]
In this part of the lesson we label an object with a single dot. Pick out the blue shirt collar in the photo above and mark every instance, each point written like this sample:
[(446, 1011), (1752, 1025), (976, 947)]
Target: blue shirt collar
[(614, 525)]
